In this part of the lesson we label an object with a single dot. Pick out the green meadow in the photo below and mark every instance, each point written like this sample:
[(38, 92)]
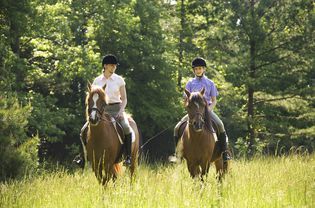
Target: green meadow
[(287, 181)]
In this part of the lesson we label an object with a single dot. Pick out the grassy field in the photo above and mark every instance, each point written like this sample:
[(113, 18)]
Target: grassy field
[(261, 182)]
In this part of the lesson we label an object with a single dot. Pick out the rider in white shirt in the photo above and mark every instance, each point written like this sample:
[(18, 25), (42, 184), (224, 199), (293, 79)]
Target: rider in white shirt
[(116, 100)]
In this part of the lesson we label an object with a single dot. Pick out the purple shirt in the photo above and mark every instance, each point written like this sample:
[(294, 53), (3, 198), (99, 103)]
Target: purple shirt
[(196, 84)]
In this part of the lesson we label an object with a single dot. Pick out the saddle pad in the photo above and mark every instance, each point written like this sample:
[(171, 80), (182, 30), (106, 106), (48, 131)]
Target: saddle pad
[(133, 134)]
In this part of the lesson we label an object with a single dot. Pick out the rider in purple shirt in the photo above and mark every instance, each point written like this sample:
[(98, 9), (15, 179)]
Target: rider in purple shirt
[(196, 84)]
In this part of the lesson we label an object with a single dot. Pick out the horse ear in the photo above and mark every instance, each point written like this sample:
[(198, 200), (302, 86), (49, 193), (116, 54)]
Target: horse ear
[(104, 87), (202, 92), (187, 93), (89, 86)]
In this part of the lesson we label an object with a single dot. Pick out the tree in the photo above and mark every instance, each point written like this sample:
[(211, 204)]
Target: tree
[(272, 38)]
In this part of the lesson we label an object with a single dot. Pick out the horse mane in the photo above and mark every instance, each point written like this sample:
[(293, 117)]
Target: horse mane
[(197, 97), (94, 89)]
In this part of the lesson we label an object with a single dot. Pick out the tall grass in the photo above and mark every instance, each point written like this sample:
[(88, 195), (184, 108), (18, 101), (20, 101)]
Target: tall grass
[(261, 182)]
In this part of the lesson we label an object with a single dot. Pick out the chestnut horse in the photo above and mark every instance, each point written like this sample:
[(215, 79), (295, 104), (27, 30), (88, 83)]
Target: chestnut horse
[(104, 138), (199, 143)]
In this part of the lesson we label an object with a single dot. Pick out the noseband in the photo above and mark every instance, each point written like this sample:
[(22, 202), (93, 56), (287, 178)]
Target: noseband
[(102, 113), (197, 113), (97, 110)]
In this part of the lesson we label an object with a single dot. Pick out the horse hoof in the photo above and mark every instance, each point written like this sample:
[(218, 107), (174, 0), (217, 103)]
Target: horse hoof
[(226, 156)]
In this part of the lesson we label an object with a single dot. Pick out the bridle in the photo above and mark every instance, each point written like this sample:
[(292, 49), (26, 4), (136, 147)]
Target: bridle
[(100, 112), (196, 119), (194, 116), (196, 107), (102, 115)]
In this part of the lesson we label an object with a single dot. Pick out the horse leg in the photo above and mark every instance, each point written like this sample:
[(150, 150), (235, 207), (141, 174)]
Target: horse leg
[(193, 169), (114, 172), (221, 169), (204, 169), (134, 164), (108, 173), (98, 170)]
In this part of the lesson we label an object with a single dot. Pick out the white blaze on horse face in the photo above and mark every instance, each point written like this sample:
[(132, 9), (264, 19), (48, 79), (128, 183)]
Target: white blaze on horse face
[(95, 98), (197, 104)]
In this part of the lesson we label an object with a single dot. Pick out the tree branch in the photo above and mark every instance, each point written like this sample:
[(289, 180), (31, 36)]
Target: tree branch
[(271, 62), (274, 99)]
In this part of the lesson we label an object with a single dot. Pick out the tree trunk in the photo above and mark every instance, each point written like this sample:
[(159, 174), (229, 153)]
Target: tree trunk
[(15, 38), (251, 89), (181, 45)]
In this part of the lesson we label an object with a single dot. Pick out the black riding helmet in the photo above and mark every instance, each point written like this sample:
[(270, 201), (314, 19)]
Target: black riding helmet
[(198, 62), (109, 59)]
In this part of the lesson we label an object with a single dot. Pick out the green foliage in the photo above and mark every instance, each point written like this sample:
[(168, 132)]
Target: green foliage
[(13, 121), (277, 70), (29, 152), (46, 118), (50, 49)]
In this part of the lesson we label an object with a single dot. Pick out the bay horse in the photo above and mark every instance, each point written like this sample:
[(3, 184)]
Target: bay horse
[(198, 143), (104, 144)]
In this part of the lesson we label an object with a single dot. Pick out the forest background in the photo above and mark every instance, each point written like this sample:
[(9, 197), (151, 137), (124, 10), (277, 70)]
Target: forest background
[(260, 54)]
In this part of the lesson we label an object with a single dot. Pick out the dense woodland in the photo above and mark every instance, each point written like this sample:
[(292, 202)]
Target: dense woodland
[(260, 54)]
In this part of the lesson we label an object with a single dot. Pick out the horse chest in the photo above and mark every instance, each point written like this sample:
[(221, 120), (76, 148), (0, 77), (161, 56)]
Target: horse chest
[(198, 145), (103, 138)]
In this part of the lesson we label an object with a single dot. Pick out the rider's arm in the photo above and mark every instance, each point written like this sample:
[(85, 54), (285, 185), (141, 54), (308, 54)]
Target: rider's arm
[(213, 103), (123, 97)]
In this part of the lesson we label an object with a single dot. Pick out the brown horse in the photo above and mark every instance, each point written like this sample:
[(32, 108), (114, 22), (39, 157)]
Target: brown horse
[(198, 144), (104, 144)]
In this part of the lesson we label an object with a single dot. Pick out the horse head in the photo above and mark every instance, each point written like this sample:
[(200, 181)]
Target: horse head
[(95, 102), (196, 107)]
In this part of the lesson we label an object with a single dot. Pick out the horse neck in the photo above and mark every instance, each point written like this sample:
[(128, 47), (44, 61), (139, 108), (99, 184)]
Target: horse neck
[(104, 124)]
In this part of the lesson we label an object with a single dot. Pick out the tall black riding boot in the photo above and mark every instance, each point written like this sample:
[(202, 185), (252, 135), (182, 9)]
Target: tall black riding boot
[(224, 149), (128, 147)]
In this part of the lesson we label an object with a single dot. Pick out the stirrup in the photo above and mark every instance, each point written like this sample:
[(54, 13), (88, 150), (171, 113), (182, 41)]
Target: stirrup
[(127, 162), (226, 156), (79, 160)]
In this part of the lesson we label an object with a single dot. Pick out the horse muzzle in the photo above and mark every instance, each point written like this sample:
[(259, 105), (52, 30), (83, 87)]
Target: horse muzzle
[(94, 120), (94, 117), (198, 126)]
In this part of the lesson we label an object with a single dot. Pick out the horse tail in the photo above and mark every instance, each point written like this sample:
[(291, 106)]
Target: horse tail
[(118, 168)]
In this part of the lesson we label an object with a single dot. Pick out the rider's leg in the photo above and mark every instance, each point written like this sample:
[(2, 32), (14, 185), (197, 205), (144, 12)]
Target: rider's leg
[(128, 138), (176, 129), (223, 139), (79, 159), (128, 145), (173, 158)]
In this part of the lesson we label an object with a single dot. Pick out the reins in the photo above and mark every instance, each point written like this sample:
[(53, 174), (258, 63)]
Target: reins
[(156, 135), (104, 118)]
